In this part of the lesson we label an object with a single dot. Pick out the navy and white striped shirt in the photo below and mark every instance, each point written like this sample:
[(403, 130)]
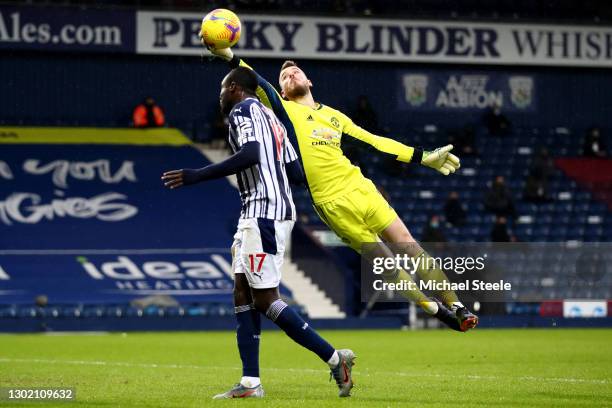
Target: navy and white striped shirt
[(264, 187)]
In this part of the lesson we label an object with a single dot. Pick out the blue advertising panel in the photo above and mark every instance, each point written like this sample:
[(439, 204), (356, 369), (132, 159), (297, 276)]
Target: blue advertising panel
[(473, 91), (67, 29), (85, 218), (92, 196), (115, 276)]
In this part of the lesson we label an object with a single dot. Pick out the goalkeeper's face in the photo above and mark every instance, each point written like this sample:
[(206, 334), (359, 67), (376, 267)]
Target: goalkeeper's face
[(294, 83)]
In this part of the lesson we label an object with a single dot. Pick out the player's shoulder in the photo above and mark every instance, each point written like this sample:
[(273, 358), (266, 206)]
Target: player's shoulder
[(327, 108), (334, 113), (244, 107)]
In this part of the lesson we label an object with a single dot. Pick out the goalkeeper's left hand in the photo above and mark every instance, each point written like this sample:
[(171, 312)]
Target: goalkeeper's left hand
[(223, 53), (442, 160)]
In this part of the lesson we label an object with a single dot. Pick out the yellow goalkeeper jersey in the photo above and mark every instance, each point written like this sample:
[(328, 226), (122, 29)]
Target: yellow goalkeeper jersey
[(319, 133)]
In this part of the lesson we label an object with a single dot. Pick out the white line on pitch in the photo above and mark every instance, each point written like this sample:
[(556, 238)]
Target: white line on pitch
[(366, 373)]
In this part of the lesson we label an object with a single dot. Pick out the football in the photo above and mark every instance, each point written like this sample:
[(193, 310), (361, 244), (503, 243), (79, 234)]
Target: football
[(220, 29)]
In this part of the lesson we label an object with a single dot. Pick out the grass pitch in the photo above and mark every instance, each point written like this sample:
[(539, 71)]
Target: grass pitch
[(483, 368)]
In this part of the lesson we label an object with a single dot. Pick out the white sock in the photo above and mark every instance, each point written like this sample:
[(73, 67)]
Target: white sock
[(455, 306), (430, 307), (334, 360), (250, 382)]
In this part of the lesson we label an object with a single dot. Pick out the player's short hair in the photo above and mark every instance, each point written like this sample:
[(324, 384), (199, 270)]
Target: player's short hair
[(245, 78), (288, 63)]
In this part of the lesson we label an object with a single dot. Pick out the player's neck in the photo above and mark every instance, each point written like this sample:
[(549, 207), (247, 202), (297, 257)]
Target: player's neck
[(307, 100), (246, 96)]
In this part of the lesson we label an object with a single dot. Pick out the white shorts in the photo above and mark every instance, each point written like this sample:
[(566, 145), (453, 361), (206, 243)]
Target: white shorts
[(258, 250)]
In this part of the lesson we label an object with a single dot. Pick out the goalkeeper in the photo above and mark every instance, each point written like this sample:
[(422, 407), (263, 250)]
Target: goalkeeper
[(344, 199)]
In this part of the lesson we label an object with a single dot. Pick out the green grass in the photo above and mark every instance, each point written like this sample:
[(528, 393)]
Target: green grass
[(483, 368)]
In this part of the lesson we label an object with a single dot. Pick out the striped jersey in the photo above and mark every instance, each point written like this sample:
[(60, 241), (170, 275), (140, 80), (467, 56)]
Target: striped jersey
[(264, 187)]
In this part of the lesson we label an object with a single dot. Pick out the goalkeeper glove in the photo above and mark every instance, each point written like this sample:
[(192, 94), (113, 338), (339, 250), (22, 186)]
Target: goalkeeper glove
[(223, 53), (441, 160)]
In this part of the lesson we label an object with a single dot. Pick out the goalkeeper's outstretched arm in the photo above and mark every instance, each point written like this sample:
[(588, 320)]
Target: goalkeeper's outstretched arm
[(440, 159)]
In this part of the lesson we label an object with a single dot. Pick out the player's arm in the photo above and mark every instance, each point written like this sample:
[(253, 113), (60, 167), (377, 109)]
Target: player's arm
[(295, 173), (247, 156), (440, 159), (248, 140), (266, 93)]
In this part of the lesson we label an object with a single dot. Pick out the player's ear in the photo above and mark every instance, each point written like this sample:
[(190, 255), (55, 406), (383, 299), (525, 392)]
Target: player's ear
[(310, 83)]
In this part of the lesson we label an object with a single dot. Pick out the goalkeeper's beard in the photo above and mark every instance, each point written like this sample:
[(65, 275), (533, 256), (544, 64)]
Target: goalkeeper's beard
[(297, 91)]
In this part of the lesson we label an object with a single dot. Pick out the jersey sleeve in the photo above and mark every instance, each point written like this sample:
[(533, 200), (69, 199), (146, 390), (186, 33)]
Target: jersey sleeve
[(294, 170), (290, 153), (241, 120), (245, 157), (402, 152)]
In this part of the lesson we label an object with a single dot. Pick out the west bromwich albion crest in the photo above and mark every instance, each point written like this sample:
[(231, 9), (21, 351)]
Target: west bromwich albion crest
[(415, 87), (521, 91)]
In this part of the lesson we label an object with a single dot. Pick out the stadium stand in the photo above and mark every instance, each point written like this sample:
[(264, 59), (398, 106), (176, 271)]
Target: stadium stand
[(575, 213), (422, 193)]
